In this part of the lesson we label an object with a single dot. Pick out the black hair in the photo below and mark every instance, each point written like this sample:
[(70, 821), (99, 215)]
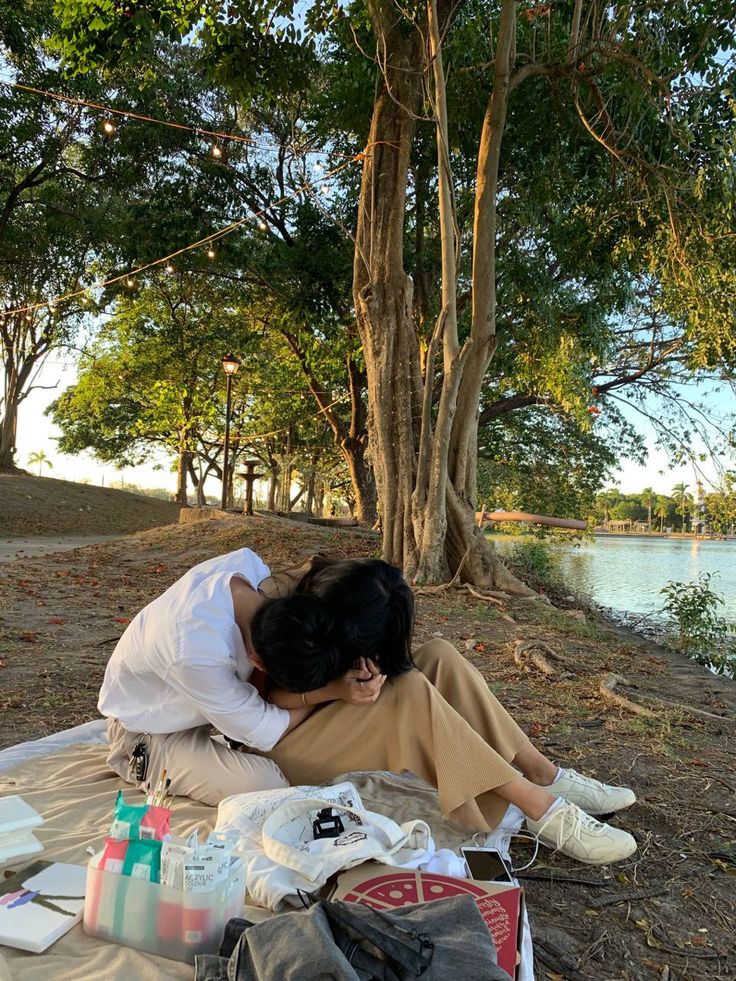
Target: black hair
[(374, 609), (297, 638)]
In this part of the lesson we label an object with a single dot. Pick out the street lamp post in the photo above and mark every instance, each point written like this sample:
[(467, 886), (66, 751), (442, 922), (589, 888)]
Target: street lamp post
[(230, 365)]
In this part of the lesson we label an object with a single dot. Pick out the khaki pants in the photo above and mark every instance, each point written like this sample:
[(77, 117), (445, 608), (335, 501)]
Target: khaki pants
[(440, 722)]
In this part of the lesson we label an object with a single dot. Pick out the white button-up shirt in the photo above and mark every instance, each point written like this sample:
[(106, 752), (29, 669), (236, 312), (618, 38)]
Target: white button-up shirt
[(182, 662)]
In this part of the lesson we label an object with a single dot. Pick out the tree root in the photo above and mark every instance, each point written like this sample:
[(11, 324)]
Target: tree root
[(698, 713), (487, 597), (536, 653), (606, 688), (610, 681)]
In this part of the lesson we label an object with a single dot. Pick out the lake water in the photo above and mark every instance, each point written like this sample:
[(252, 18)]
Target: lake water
[(627, 573)]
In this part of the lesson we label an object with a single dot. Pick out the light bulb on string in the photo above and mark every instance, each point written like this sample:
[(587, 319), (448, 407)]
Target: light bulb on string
[(216, 151), (211, 253), (169, 268), (130, 282), (262, 226), (109, 127)]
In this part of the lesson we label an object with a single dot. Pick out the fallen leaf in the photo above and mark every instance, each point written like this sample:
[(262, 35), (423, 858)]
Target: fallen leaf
[(56, 620), (122, 619)]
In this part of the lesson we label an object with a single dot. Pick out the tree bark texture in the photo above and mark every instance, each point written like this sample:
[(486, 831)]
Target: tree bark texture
[(382, 290), (425, 460)]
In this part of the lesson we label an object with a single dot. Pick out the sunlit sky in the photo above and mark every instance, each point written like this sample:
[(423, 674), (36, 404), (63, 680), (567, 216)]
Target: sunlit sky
[(37, 432)]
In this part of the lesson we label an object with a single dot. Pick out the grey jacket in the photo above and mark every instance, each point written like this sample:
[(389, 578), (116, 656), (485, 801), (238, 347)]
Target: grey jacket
[(438, 941)]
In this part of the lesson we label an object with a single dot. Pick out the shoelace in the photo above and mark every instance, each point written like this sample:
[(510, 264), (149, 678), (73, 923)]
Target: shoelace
[(584, 781), (574, 822)]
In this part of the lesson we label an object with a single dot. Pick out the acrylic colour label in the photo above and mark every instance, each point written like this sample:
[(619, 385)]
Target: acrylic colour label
[(500, 911)]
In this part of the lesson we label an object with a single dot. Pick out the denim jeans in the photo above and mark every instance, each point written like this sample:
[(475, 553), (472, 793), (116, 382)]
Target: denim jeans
[(442, 940)]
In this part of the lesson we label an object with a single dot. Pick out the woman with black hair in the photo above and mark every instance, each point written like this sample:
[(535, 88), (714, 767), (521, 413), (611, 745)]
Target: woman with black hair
[(435, 717), (253, 655)]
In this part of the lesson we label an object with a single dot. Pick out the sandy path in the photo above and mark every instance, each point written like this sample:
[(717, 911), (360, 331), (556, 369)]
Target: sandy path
[(31, 545)]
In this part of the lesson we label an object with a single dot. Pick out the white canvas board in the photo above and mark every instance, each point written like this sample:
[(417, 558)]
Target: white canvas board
[(18, 844), (17, 815), (41, 904)]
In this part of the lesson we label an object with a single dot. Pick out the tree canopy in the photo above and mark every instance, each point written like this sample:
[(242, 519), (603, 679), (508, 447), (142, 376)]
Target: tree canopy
[(595, 281)]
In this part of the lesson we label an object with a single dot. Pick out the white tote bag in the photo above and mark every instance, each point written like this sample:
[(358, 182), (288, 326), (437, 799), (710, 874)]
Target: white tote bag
[(276, 839), (288, 839)]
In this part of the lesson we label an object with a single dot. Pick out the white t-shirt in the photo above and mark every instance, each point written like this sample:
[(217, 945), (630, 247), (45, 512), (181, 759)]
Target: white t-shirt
[(182, 662)]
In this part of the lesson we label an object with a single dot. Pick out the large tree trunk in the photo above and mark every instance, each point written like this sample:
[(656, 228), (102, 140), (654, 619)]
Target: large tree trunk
[(425, 460), (362, 481), (182, 469), (17, 378), (381, 288), (273, 485), (8, 432)]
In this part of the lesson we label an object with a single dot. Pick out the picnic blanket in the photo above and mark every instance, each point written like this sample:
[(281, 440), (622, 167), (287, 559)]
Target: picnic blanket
[(65, 778)]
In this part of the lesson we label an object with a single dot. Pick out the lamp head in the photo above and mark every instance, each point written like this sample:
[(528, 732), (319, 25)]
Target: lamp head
[(230, 364)]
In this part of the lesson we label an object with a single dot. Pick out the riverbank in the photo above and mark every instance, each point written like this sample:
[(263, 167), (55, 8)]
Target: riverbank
[(674, 535), (669, 907)]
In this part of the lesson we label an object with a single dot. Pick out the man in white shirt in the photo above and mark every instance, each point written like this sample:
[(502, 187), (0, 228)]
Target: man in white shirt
[(185, 663)]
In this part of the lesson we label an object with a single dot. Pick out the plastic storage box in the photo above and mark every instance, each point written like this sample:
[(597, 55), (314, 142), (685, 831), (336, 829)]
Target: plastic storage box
[(158, 919)]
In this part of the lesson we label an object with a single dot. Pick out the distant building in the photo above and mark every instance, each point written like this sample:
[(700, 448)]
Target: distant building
[(618, 526)]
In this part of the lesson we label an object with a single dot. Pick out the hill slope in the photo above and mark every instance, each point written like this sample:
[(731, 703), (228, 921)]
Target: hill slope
[(46, 506)]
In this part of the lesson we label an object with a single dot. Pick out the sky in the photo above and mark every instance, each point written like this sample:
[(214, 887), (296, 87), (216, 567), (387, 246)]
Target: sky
[(36, 432)]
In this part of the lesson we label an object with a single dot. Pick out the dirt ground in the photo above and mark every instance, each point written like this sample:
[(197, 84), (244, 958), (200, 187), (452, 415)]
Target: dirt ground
[(669, 913), (45, 506)]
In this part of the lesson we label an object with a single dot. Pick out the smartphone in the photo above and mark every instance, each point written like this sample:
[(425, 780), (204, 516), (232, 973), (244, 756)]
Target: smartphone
[(486, 865)]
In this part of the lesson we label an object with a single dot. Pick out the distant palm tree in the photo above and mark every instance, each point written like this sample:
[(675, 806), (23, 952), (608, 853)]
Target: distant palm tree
[(647, 500), (661, 510), (40, 458), (681, 496)]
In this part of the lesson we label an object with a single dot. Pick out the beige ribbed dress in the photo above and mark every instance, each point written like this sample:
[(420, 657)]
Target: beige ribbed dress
[(440, 722)]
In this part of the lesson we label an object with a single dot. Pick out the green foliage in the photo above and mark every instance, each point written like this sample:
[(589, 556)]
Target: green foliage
[(252, 46), (544, 462), (153, 376), (533, 561), (600, 261), (703, 634), (720, 506)]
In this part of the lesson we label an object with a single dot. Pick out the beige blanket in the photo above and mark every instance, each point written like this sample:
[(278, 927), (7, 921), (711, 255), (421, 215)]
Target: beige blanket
[(74, 791)]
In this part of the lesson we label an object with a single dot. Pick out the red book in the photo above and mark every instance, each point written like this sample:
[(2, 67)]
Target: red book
[(499, 904)]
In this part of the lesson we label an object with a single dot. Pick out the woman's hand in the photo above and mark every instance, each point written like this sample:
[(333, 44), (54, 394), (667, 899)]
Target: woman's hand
[(360, 686)]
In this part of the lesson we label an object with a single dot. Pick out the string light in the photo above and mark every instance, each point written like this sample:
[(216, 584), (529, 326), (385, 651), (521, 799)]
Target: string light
[(140, 117), (109, 127), (262, 226), (206, 240), (211, 253), (216, 151), (130, 282)]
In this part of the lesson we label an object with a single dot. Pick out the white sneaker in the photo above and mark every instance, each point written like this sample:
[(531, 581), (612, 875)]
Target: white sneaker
[(591, 795), (571, 831)]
